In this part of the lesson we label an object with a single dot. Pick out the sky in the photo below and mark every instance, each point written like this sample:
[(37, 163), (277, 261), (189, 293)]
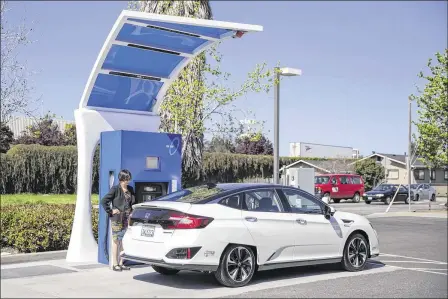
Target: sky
[(359, 60)]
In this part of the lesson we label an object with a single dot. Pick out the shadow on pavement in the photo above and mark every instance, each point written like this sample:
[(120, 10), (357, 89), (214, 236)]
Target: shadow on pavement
[(195, 280)]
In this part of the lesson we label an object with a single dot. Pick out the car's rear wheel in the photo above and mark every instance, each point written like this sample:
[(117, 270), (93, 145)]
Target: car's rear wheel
[(387, 200), (237, 266), (433, 197), (165, 271), (417, 197), (355, 253), (356, 198), (336, 200), (406, 200), (368, 202)]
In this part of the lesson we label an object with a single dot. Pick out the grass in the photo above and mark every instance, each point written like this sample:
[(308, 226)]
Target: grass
[(28, 198)]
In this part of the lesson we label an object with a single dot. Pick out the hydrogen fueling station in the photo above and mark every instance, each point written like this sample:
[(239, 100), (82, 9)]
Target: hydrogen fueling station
[(142, 55)]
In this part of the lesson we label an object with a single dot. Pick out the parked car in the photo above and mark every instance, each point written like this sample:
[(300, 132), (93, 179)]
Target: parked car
[(235, 230), (424, 191), (339, 186), (385, 193)]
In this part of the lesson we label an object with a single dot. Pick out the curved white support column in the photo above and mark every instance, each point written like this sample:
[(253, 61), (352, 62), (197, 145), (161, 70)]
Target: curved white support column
[(89, 125)]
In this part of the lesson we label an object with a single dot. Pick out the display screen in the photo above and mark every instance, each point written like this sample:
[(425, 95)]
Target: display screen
[(152, 162)]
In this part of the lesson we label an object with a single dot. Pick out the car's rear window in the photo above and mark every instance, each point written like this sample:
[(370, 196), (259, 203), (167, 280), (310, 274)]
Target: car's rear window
[(191, 195)]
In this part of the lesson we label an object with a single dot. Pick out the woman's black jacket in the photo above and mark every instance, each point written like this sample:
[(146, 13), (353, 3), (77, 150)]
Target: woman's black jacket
[(116, 197)]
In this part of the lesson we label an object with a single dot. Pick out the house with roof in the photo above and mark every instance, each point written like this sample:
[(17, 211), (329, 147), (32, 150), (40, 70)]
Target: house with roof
[(396, 171), (324, 166)]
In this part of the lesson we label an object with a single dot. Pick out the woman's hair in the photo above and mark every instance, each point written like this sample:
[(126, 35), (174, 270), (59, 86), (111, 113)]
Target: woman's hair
[(124, 175)]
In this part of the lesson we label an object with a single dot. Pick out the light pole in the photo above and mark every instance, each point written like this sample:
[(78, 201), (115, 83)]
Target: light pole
[(285, 71)]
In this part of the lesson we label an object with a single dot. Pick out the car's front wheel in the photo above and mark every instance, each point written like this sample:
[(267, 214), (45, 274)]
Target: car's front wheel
[(387, 200), (165, 271), (433, 197), (336, 200), (368, 202), (237, 266), (355, 253)]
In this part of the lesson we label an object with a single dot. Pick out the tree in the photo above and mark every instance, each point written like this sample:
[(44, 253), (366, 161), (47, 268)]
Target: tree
[(43, 132), (220, 144), (198, 94), (370, 171), (432, 124), (254, 144), (6, 137), (69, 135), (15, 87)]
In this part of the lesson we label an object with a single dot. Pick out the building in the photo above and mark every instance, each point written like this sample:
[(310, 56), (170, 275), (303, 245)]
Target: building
[(324, 166), (396, 171), (304, 149), (19, 124)]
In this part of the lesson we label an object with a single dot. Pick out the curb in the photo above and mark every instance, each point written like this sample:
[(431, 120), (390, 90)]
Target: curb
[(33, 257)]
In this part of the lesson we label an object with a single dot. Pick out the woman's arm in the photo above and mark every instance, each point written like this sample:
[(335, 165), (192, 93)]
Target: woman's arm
[(107, 199)]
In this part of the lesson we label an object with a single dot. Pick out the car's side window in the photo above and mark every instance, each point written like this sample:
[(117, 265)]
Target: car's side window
[(301, 202), (265, 200), (356, 180), (343, 180), (233, 201), (425, 186), (334, 180)]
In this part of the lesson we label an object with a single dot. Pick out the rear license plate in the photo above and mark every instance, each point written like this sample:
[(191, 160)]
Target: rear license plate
[(147, 231), (369, 197)]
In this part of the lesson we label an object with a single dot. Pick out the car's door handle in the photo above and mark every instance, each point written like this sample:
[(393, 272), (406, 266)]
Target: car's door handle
[(251, 219), (301, 221)]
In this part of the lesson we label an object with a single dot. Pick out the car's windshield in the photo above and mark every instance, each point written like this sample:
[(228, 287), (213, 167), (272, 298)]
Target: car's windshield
[(383, 187), (414, 186), (321, 179), (191, 195)]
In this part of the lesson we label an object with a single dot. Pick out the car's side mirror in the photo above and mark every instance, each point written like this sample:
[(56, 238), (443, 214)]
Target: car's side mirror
[(329, 211)]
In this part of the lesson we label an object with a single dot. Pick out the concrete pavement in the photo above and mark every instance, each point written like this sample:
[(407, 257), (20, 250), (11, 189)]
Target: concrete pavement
[(413, 263)]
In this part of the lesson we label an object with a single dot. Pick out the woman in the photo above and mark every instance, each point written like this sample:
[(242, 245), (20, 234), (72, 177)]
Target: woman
[(118, 205)]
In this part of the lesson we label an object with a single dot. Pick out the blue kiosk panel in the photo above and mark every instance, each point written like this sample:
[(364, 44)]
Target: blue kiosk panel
[(155, 162)]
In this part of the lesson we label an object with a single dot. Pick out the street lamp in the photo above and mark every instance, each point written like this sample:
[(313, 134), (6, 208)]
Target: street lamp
[(285, 71)]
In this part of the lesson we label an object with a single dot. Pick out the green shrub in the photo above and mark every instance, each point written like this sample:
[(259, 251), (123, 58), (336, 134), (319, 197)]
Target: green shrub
[(52, 169), (38, 228)]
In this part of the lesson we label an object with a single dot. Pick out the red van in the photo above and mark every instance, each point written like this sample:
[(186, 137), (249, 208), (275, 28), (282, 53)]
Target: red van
[(339, 186)]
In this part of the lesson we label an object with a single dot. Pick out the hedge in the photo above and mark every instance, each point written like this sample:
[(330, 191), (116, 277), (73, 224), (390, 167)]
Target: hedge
[(52, 169), (39, 228)]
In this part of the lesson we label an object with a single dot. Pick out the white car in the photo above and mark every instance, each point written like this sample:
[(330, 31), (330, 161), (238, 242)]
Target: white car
[(424, 191), (234, 230)]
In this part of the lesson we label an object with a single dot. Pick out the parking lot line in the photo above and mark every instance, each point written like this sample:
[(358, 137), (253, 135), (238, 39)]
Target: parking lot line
[(415, 262), (429, 269), (419, 270), (412, 258)]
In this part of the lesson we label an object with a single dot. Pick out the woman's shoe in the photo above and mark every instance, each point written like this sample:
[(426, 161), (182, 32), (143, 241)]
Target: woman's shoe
[(125, 268), (116, 268)]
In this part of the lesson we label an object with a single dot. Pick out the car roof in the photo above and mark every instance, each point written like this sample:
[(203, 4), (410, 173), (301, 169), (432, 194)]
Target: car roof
[(242, 186)]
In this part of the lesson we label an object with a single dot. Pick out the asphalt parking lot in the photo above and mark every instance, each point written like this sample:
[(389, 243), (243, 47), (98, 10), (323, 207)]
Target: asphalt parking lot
[(413, 263)]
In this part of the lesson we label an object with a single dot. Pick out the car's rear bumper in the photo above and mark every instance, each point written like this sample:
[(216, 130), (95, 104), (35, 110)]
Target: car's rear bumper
[(162, 263)]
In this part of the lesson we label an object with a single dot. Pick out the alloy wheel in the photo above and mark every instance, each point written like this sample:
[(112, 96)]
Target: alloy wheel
[(239, 264), (357, 252)]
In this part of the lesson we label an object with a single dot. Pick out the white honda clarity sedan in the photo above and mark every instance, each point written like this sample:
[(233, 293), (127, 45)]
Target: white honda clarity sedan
[(235, 230)]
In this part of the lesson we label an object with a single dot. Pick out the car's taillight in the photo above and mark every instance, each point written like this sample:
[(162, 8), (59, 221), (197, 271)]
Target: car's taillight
[(186, 221)]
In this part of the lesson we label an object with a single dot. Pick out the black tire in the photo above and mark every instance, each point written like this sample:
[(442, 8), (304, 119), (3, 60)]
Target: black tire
[(368, 202), (417, 197), (165, 271), (406, 200), (238, 258), (387, 200), (353, 255), (433, 197), (356, 198), (336, 200)]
